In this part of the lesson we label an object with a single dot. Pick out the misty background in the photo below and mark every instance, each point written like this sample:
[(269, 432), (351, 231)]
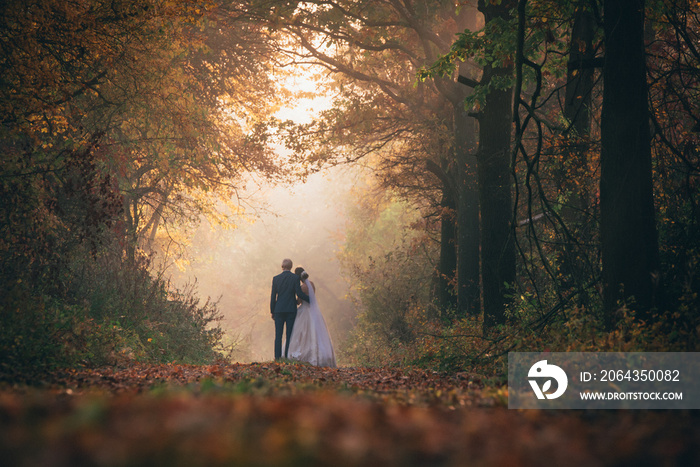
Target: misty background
[(304, 222)]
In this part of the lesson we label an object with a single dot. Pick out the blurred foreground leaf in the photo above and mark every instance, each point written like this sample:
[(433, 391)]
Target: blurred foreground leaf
[(290, 414)]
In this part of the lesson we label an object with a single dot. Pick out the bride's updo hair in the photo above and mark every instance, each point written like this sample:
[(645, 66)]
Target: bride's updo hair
[(303, 275)]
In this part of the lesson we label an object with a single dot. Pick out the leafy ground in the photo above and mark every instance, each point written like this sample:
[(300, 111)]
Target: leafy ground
[(289, 414)]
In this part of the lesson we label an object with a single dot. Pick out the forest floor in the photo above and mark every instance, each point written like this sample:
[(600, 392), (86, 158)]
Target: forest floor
[(280, 414)]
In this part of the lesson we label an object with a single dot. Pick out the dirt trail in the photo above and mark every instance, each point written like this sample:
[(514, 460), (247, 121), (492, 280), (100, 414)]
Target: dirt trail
[(285, 414)]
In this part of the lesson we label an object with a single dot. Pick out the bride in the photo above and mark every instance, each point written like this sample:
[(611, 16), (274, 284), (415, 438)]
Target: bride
[(310, 341)]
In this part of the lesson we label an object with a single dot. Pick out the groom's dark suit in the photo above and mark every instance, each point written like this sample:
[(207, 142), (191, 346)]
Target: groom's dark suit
[(286, 287)]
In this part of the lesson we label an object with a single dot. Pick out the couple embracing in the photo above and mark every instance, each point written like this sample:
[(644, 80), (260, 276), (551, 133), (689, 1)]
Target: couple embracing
[(307, 337)]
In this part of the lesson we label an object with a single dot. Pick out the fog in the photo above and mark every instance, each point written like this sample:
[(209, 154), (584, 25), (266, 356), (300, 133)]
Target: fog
[(303, 222)]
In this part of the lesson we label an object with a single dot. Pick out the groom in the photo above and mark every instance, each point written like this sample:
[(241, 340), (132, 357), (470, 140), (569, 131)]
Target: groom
[(283, 304)]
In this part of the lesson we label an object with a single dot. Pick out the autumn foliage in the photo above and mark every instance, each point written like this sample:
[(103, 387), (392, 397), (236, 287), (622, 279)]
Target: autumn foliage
[(118, 117)]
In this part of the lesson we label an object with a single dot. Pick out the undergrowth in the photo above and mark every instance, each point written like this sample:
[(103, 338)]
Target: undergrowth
[(109, 311), (464, 346)]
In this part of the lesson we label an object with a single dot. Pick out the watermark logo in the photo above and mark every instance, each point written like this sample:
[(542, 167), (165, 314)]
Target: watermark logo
[(542, 370), (604, 380)]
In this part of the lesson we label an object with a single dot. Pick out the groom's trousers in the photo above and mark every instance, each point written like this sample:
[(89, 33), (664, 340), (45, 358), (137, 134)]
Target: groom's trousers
[(282, 319)]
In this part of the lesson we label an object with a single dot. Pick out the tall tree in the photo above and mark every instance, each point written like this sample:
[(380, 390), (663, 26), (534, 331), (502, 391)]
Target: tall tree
[(493, 48), (495, 182), (673, 59), (578, 112), (630, 251)]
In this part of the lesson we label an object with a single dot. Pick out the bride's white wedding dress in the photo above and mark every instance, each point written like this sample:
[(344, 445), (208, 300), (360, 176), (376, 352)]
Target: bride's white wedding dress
[(310, 341)]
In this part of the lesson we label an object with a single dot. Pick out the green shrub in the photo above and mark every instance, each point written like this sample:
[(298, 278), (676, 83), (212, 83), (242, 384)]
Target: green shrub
[(148, 318), (109, 311)]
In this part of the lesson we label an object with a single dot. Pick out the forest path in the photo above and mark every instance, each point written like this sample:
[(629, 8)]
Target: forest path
[(271, 414)]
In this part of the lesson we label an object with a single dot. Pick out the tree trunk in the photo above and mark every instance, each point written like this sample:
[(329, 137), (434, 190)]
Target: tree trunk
[(468, 293), (495, 184), (447, 267), (443, 284), (579, 84), (577, 111), (630, 250), (132, 221)]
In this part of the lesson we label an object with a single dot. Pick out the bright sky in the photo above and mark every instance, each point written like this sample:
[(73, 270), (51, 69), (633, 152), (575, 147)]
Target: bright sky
[(303, 110)]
